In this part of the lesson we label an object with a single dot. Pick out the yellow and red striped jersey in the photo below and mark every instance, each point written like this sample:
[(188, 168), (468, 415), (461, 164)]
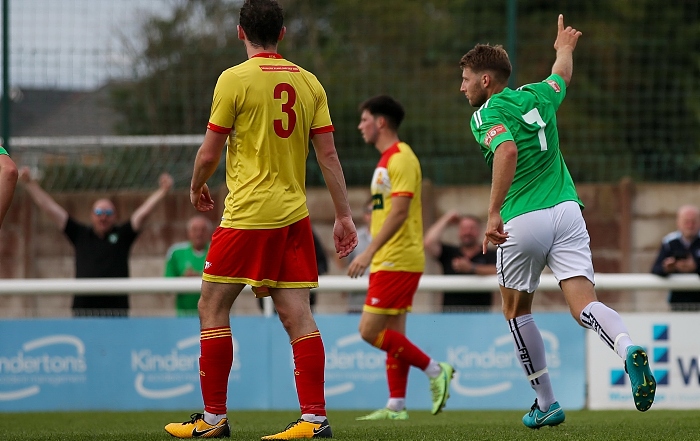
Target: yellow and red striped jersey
[(398, 173), (271, 107)]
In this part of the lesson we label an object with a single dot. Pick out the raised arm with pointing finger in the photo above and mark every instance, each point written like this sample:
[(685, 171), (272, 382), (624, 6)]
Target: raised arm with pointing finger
[(567, 37)]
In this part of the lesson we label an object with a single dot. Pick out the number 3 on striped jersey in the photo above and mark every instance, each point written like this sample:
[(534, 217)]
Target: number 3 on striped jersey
[(533, 117), (288, 108)]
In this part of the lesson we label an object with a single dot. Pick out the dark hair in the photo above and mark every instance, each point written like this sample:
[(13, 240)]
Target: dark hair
[(262, 21), (484, 57), (386, 106)]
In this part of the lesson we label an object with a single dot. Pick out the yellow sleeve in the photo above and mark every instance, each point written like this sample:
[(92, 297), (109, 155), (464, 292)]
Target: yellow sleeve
[(404, 174), (224, 107), (322, 118)]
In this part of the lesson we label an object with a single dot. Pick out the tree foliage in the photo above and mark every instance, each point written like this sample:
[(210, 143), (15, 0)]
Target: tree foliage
[(633, 107), (176, 72)]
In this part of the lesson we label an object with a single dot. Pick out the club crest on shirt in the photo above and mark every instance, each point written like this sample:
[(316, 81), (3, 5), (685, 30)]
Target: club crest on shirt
[(554, 85), (113, 238), (493, 132), (380, 181)]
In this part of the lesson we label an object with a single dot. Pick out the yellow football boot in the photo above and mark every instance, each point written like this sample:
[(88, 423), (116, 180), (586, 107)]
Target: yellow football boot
[(301, 429), (196, 427)]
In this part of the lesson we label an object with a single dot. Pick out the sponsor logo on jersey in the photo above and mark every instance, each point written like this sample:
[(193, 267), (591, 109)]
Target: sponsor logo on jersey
[(493, 132), (268, 68), (554, 85)]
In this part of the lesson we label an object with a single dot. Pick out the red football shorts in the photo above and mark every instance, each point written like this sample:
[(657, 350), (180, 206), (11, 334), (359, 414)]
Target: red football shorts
[(391, 292), (275, 258)]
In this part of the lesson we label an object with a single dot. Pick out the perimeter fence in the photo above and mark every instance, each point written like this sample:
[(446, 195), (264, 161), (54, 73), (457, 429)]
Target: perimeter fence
[(148, 67)]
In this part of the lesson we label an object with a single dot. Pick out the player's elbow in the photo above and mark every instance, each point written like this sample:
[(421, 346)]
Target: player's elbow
[(9, 172), (327, 155), (400, 214), (507, 151), (8, 168), (207, 158), (565, 74)]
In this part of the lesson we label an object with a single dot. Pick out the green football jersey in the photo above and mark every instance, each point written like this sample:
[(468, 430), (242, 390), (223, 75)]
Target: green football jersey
[(527, 116), (183, 260), (3, 151)]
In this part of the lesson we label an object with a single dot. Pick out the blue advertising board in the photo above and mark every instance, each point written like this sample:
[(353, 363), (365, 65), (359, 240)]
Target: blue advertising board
[(152, 363)]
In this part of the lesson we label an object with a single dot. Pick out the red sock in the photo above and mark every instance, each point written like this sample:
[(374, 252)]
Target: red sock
[(309, 369), (396, 345), (397, 376), (214, 367)]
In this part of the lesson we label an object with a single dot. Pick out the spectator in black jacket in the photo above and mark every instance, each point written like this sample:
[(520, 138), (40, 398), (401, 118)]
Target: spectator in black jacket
[(680, 253), (464, 258)]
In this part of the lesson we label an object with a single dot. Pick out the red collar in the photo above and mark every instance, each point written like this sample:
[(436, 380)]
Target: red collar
[(267, 55)]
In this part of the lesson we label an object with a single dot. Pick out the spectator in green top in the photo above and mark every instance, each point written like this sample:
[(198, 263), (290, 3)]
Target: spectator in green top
[(186, 259)]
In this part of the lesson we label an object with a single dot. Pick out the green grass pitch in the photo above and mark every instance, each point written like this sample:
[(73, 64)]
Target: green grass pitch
[(657, 425)]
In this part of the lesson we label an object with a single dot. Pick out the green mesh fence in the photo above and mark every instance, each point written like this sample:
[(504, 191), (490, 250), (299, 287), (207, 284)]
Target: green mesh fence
[(148, 67)]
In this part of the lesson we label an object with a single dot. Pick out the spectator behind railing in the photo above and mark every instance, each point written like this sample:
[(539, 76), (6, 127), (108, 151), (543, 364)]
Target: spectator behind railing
[(186, 259), (680, 253), (466, 258), (101, 249)]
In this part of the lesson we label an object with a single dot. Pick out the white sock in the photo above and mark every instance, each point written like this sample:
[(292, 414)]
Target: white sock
[(529, 350), (433, 369), (213, 418), (396, 404), (609, 326), (313, 418)]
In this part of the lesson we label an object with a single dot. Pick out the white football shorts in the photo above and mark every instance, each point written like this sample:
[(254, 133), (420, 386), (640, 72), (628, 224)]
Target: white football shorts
[(556, 237)]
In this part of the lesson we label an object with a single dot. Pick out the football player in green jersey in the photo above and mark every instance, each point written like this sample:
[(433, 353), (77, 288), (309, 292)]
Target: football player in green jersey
[(534, 216)]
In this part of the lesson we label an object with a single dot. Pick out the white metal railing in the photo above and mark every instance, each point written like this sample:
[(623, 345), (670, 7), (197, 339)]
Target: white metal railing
[(33, 142), (438, 283), (138, 285)]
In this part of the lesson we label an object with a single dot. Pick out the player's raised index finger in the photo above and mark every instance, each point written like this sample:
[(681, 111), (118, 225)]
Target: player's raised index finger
[(560, 23)]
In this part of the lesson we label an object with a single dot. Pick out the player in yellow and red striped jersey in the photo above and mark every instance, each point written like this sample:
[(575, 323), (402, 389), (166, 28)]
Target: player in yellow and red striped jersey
[(396, 259), (267, 108)]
